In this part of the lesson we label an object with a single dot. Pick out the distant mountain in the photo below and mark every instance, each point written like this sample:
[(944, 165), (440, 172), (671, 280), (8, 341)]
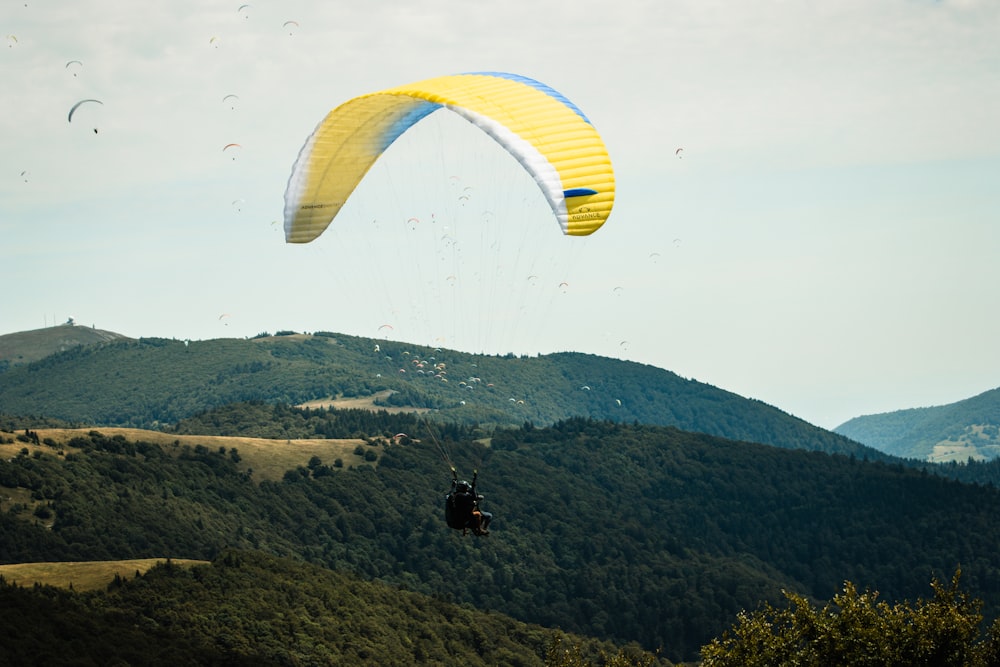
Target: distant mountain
[(27, 346), (156, 382), (955, 432)]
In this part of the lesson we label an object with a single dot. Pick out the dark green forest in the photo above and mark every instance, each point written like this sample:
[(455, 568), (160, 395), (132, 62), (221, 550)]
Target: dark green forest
[(248, 608), (623, 532), (282, 421), (154, 383)]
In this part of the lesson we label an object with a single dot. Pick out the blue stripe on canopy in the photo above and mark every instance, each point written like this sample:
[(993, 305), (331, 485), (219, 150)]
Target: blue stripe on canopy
[(537, 85)]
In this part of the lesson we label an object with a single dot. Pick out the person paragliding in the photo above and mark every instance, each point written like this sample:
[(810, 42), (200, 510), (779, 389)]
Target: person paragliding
[(462, 511)]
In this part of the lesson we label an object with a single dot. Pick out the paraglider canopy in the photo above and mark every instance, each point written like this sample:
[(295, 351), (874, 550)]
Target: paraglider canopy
[(72, 111), (546, 133)]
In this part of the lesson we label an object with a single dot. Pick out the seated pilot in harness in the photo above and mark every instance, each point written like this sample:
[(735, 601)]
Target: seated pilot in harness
[(461, 509)]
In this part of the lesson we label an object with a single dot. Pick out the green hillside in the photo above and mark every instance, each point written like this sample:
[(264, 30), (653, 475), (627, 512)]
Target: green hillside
[(968, 429), (618, 531), (247, 608), (27, 346), (154, 383)]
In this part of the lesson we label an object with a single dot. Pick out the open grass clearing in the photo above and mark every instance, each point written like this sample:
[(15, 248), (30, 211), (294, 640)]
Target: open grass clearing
[(361, 403), (268, 459), (84, 575)]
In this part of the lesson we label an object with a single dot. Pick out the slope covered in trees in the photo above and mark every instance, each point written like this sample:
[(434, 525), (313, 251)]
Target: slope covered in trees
[(247, 608), (955, 432), (152, 383), (623, 532), (282, 421)]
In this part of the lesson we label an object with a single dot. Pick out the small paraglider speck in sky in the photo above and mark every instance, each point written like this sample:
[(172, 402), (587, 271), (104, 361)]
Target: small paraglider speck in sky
[(678, 153), (72, 111)]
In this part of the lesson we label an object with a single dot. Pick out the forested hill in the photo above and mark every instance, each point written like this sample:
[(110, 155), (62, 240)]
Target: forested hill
[(27, 346), (157, 382), (250, 609), (955, 432), (616, 531)]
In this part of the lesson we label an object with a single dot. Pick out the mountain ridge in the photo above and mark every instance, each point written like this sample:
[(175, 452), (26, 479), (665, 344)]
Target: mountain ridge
[(155, 382), (959, 431)]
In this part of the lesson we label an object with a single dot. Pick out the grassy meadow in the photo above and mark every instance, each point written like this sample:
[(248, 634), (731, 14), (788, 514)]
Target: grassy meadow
[(268, 458), (83, 576)]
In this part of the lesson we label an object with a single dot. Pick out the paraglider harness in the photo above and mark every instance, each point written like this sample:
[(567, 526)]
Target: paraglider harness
[(461, 508)]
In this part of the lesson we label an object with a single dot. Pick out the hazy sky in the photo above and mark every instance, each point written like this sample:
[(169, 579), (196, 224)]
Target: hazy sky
[(827, 241)]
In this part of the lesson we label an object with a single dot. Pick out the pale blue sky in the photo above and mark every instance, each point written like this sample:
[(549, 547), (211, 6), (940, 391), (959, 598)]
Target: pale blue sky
[(827, 244)]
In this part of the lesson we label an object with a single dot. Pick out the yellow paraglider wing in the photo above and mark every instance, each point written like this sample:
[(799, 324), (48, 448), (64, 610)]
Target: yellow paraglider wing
[(548, 135)]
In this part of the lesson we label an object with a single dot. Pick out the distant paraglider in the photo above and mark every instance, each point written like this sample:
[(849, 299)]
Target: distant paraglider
[(73, 66), (231, 100), (232, 149), (72, 111), (290, 26)]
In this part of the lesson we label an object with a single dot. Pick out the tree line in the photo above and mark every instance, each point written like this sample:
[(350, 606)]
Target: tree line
[(624, 532)]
